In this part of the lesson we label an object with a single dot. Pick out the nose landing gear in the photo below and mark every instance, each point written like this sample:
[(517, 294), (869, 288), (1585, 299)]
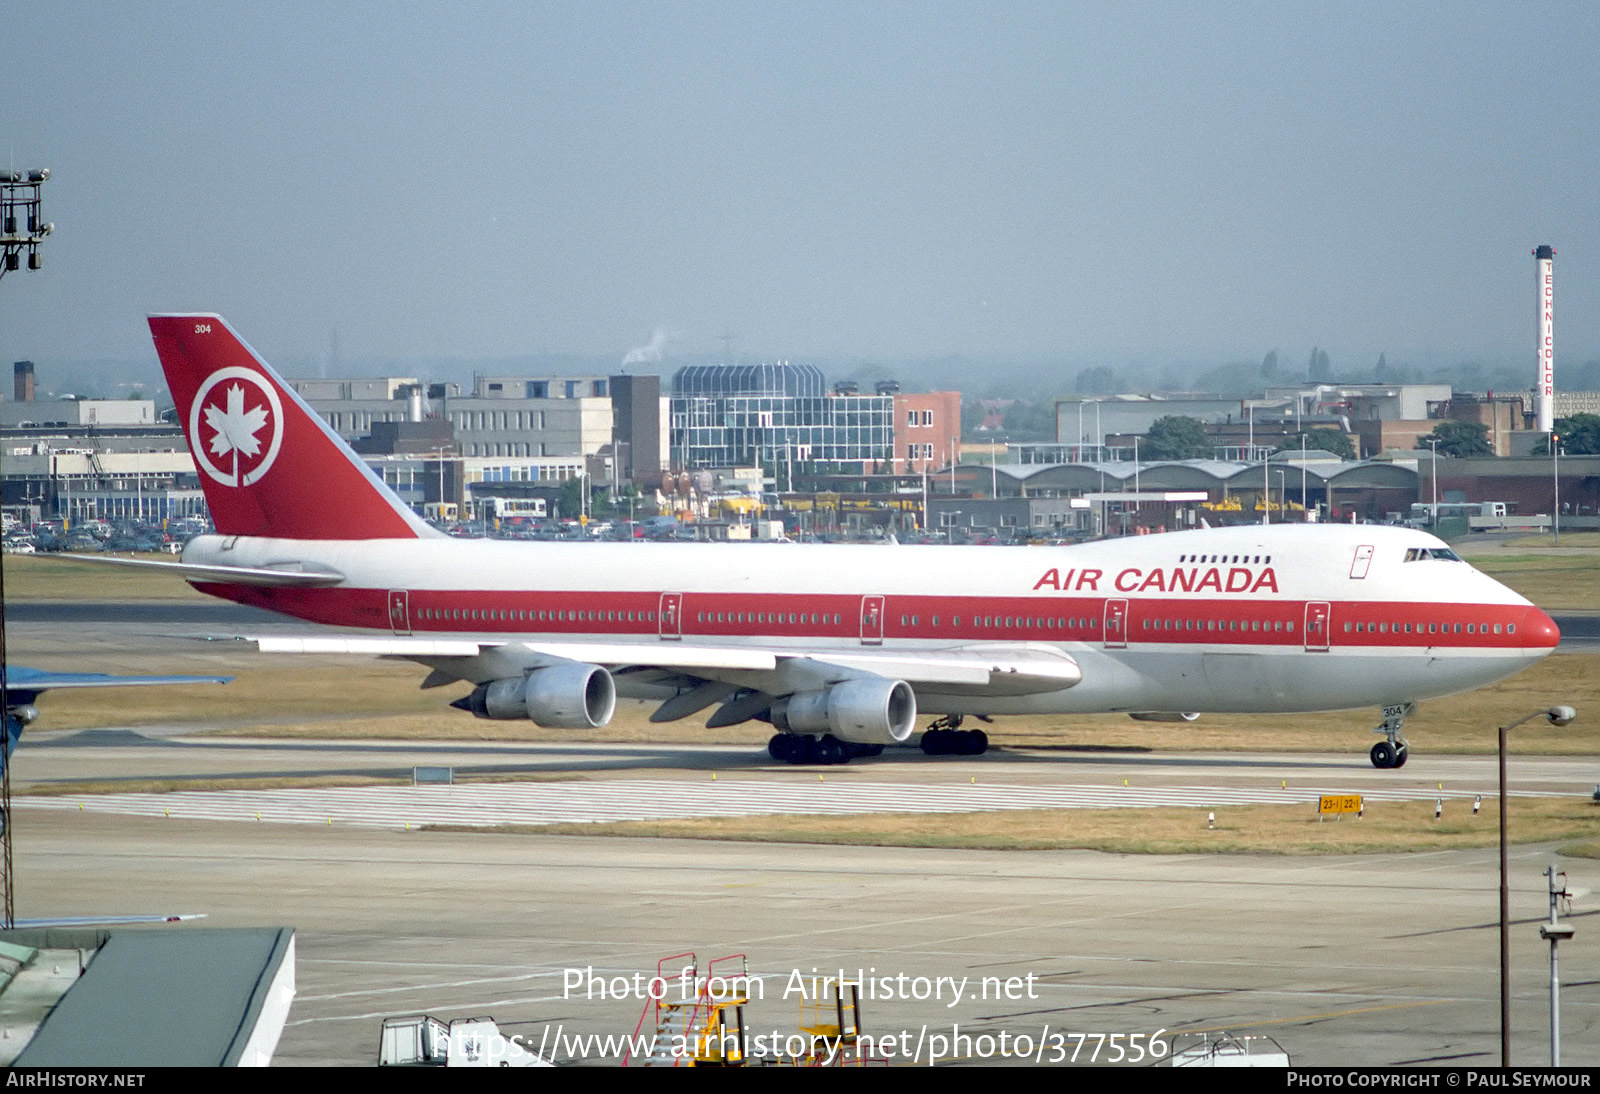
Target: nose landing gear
[(1393, 751)]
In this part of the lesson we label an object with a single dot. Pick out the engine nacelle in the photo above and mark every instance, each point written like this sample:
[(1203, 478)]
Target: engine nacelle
[(571, 696), (872, 711)]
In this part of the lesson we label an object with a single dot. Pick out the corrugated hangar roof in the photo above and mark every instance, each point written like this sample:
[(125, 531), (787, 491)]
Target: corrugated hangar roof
[(1193, 474)]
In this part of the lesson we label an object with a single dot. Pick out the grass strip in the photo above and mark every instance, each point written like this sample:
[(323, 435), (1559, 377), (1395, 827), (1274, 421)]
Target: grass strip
[(1251, 829)]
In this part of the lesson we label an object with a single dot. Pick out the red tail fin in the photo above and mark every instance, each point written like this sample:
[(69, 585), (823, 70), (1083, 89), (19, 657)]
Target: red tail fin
[(268, 464)]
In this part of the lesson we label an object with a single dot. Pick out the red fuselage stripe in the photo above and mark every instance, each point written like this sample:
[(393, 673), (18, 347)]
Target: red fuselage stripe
[(834, 616)]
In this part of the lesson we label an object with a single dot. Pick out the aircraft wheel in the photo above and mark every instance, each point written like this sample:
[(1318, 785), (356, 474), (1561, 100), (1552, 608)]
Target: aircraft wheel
[(1383, 755), (1400, 757), (936, 742), (980, 743), (779, 747), (831, 750)]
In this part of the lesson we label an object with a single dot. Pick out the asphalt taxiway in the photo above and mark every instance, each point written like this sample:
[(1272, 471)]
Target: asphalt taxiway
[(1373, 959), (1344, 960), (1379, 959)]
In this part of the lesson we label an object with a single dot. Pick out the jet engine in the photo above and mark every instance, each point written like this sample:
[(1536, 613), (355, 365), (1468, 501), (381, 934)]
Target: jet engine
[(569, 696), (868, 711)]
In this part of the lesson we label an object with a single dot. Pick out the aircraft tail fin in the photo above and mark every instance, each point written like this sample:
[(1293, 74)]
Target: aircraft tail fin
[(269, 465)]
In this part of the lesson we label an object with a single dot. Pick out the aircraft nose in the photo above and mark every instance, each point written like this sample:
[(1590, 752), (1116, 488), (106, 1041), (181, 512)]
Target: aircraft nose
[(1538, 630)]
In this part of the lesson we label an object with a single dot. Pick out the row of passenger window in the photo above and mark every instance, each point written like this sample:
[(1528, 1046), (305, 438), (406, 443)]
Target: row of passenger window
[(1432, 628), (1282, 626), (768, 617), (508, 615), (1010, 622)]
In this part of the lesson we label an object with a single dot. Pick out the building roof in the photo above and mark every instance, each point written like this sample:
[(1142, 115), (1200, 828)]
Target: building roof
[(1188, 474), (167, 997), (777, 378)]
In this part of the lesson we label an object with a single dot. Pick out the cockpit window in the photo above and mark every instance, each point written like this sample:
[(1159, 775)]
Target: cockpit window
[(1437, 554)]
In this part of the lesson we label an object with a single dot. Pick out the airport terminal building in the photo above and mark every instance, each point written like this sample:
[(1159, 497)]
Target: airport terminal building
[(777, 413)]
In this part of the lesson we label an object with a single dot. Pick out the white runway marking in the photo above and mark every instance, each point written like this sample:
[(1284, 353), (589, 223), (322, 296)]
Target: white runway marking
[(654, 799)]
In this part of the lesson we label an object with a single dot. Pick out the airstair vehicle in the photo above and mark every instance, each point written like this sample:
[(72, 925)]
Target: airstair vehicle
[(704, 1026)]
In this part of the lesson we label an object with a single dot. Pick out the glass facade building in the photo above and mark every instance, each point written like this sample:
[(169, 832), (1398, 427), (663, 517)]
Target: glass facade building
[(748, 415)]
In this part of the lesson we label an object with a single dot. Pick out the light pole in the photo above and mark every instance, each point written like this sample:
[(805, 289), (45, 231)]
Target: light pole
[(1266, 488), (18, 191), (1555, 932), (1433, 514), (1305, 510), (1555, 482), (1558, 716)]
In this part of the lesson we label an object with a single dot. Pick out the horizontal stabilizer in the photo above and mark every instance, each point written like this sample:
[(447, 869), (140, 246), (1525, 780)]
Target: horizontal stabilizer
[(219, 575)]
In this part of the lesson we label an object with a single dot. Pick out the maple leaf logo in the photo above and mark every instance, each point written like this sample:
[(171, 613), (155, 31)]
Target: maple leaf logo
[(220, 406), (236, 427)]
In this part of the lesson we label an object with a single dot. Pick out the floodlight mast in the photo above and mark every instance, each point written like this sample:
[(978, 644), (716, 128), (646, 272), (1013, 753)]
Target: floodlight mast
[(22, 223), (20, 208)]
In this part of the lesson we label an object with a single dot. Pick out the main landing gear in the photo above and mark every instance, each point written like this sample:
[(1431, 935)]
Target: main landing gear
[(944, 738), (1392, 752), (799, 748)]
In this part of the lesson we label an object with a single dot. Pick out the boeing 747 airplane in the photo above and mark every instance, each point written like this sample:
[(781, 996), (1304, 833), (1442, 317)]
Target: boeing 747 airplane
[(837, 647)]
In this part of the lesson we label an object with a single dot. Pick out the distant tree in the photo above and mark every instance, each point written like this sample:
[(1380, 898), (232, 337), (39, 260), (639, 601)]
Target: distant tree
[(1100, 380), (1584, 377), (1319, 367), (1326, 440), (1269, 365), (1026, 421), (1580, 436), (569, 502), (1176, 438), (972, 414), (1459, 439), (1380, 371)]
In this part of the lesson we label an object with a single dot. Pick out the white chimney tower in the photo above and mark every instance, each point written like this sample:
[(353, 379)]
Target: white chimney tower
[(1545, 387)]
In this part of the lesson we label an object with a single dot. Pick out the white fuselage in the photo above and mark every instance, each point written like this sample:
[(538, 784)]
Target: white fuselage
[(1267, 619)]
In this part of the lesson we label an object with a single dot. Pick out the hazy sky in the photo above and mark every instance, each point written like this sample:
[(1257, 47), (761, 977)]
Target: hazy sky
[(883, 180)]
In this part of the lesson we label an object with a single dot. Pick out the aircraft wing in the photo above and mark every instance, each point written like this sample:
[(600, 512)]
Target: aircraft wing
[(106, 920), (688, 677), (24, 685), (989, 668)]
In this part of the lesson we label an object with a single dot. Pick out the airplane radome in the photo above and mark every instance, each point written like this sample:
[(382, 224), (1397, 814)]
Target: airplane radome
[(837, 647)]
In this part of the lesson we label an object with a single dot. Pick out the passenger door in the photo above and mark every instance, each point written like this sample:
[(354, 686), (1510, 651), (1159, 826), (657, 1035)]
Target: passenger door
[(1116, 624), (1317, 613), (669, 616), (872, 621), (400, 611)]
